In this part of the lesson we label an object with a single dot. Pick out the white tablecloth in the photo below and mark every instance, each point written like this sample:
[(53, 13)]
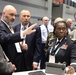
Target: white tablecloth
[(26, 72)]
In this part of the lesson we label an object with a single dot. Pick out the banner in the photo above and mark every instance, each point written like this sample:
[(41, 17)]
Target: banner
[(58, 1)]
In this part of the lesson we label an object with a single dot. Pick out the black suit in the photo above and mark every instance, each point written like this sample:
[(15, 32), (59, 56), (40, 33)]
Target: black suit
[(7, 40), (34, 46), (66, 53)]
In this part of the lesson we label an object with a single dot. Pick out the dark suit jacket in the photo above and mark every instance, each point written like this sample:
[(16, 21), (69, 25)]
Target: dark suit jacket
[(8, 40), (34, 46), (66, 53), (5, 67)]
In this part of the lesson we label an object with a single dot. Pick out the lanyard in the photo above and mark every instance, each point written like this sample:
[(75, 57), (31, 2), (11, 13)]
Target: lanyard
[(56, 50)]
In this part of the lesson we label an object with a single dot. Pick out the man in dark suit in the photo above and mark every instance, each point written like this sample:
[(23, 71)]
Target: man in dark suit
[(10, 40), (6, 68), (61, 49), (32, 55)]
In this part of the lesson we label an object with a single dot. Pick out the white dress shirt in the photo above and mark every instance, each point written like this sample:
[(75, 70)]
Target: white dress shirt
[(44, 32), (24, 40)]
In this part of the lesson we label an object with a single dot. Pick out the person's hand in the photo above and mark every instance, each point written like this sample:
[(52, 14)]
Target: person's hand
[(70, 70), (24, 46), (35, 66), (29, 30), (13, 66)]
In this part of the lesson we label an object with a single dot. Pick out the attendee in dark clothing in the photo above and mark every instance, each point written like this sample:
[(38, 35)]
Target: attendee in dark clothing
[(10, 40), (32, 55), (61, 49)]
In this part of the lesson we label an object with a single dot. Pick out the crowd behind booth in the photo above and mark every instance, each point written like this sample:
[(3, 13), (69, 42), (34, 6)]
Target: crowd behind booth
[(27, 46)]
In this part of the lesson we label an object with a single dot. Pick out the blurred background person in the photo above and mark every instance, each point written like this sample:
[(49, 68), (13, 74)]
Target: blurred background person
[(46, 28), (62, 49), (10, 40), (69, 24), (73, 33), (51, 34), (32, 55)]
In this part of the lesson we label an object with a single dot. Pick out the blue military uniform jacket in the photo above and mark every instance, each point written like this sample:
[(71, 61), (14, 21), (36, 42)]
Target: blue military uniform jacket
[(65, 52)]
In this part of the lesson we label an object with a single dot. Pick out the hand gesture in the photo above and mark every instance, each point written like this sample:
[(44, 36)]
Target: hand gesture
[(29, 30)]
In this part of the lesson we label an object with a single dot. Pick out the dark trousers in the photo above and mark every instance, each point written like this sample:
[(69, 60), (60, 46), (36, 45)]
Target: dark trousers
[(20, 62), (42, 57)]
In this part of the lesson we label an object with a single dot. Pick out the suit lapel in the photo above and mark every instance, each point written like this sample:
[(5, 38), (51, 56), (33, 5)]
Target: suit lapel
[(28, 36), (62, 42), (54, 43), (6, 28), (19, 27)]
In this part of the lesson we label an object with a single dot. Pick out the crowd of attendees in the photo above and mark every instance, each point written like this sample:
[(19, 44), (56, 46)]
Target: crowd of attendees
[(25, 45)]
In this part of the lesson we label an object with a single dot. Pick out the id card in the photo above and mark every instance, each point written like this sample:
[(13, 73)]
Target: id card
[(18, 48), (51, 59)]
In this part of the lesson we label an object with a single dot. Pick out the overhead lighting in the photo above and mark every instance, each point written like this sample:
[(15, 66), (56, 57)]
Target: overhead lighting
[(74, 1)]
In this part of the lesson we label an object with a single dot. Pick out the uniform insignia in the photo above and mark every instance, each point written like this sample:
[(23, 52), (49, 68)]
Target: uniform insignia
[(64, 46)]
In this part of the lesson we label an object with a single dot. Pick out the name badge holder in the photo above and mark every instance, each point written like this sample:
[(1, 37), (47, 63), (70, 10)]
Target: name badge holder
[(52, 57), (18, 48)]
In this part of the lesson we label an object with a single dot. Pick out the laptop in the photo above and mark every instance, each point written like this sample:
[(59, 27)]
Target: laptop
[(55, 68)]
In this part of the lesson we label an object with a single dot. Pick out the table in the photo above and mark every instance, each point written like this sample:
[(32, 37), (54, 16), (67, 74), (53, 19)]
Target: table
[(26, 72)]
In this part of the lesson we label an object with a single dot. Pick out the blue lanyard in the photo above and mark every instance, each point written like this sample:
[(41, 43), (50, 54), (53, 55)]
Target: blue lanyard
[(51, 50), (56, 50)]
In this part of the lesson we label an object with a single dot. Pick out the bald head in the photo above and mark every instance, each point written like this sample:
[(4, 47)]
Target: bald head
[(25, 11), (45, 20), (69, 22), (8, 14), (8, 7), (25, 17)]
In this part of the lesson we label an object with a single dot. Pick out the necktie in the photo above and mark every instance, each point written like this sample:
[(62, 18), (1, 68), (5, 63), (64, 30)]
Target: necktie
[(23, 28), (57, 42), (47, 30), (11, 29)]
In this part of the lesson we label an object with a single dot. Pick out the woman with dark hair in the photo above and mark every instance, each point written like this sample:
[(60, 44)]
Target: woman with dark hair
[(61, 49)]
